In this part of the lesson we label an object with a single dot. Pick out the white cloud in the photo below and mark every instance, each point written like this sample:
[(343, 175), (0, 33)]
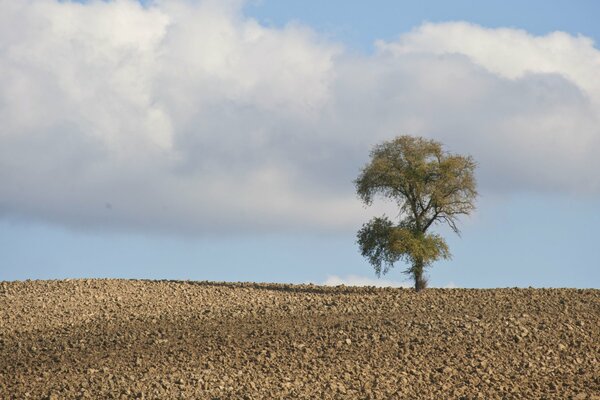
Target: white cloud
[(507, 52), (355, 280), (190, 117)]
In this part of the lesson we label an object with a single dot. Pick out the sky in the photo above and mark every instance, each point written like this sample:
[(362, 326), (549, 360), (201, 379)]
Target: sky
[(218, 140)]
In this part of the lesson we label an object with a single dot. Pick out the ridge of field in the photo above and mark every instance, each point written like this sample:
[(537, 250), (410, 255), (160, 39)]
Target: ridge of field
[(122, 339)]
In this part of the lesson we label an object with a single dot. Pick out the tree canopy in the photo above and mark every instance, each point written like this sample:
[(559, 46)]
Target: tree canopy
[(430, 186)]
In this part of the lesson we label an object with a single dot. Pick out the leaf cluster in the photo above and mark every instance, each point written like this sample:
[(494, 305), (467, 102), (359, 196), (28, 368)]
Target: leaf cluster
[(384, 244), (428, 184)]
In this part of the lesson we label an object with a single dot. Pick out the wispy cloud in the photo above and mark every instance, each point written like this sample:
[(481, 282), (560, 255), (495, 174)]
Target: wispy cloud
[(190, 117)]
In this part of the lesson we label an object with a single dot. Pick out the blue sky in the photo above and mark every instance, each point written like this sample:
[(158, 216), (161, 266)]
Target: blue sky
[(359, 24), (219, 142)]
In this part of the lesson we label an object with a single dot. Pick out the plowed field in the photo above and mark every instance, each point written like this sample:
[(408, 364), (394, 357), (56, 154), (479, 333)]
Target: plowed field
[(121, 339)]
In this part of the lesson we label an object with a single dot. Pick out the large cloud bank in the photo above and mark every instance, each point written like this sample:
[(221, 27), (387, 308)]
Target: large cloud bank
[(190, 117)]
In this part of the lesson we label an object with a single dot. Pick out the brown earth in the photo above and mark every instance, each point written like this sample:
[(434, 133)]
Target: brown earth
[(107, 339)]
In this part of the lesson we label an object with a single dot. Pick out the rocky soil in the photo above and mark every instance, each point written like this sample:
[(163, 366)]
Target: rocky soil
[(119, 339)]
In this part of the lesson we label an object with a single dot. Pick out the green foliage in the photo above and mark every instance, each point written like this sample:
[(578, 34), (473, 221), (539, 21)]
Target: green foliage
[(430, 186), (385, 244), (375, 241)]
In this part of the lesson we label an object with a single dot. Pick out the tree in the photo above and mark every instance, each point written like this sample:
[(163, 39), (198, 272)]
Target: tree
[(430, 186)]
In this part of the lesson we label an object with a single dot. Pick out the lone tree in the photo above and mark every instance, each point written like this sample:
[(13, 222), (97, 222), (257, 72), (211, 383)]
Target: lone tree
[(430, 186)]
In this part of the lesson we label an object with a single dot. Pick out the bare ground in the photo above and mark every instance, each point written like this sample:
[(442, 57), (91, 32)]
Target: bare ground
[(119, 339)]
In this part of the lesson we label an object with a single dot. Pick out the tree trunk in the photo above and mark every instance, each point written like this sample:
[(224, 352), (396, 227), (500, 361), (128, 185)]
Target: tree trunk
[(420, 281)]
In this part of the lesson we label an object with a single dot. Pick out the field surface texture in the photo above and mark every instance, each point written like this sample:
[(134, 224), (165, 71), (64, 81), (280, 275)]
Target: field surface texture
[(118, 339)]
